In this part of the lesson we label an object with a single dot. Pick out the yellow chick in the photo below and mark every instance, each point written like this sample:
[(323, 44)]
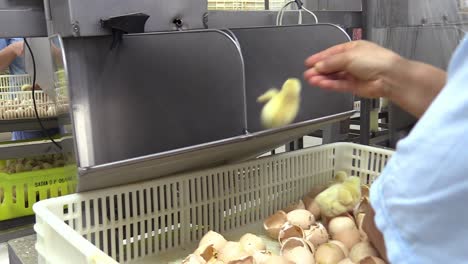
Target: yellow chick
[(340, 198), (281, 107)]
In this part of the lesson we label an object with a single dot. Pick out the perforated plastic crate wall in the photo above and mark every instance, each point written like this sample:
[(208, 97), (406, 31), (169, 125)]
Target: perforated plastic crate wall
[(149, 218)]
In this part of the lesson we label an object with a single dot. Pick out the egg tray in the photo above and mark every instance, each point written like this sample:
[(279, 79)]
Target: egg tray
[(20, 105), (161, 221)]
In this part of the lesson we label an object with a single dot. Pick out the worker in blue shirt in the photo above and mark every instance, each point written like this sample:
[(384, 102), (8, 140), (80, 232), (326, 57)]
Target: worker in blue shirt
[(12, 57), (420, 198)]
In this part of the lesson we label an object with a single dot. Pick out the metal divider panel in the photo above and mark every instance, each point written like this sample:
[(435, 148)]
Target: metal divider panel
[(154, 93), (273, 54)]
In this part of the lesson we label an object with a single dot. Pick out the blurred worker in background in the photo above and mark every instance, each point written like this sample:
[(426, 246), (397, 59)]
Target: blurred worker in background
[(420, 198), (12, 57)]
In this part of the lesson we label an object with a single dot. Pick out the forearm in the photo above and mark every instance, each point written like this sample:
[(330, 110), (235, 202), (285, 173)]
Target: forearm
[(414, 85), (7, 56)]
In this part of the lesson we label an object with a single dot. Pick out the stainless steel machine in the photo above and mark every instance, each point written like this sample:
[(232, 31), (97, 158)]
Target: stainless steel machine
[(152, 88)]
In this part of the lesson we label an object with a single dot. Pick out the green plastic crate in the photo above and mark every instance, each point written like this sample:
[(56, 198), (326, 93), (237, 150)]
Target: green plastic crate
[(19, 191)]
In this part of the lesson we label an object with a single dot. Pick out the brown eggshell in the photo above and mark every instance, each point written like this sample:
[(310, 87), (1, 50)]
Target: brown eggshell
[(274, 223), (300, 255), (329, 253), (339, 224), (232, 251), (207, 252), (301, 217), (244, 260), (289, 231), (294, 242), (362, 250), (348, 237), (251, 243), (342, 247), (194, 259), (372, 260), (213, 238), (346, 261), (295, 206), (317, 235)]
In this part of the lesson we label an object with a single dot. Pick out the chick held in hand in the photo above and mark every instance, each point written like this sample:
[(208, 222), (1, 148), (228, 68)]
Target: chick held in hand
[(340, 198), (281, 107)]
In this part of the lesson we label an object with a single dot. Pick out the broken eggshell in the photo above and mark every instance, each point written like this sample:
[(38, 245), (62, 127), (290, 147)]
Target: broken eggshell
[(346, 261), (213, 238), (260, 257), (244, 260), (372, 260), (251, 243), (342, 247), (277, 260), (361, 251), (207, 252), (274, 223), (232, 251), (329, 253), (348, 237), (298, 250), (317, 235), (302, 218), (194, 259), (288, 231), (340, 224), (299, 205)]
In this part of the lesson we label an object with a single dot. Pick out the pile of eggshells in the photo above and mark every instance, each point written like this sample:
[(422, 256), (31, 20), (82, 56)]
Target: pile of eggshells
[(21, 109), (303, 239)]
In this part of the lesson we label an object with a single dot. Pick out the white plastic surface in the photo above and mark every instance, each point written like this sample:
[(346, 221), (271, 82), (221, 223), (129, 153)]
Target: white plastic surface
[(17, 104), (143, 223)]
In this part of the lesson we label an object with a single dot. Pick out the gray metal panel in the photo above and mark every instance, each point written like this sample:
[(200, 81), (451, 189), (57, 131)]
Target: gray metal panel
[(81, 17), (273, 54), (156, 92), (334, 5), (22, 18), (197, 157), (236, 19)]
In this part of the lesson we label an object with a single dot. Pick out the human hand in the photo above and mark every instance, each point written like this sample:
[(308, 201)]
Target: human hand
[(360, 67), (17, 48)]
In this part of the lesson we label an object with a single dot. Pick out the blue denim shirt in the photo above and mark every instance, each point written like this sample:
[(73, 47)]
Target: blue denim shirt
[(421, 198)]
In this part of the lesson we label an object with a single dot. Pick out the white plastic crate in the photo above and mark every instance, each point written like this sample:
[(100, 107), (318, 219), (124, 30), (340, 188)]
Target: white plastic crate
[(17, 104), (146, 222)]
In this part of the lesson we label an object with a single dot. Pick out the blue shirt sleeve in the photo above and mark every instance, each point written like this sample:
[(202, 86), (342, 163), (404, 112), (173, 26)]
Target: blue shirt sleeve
[(421, 198)]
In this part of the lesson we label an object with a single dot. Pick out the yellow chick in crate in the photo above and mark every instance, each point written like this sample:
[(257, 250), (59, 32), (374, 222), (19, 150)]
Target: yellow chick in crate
[(281, 107), (341, 197)]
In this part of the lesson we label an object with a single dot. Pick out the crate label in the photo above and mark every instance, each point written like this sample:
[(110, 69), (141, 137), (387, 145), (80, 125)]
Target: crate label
[(53, 181)]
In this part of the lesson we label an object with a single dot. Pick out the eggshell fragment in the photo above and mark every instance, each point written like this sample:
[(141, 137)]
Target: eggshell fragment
[(300, 255), (329, 253), (207, 252), (274, 223), (362, 250), (294, 242), (302, 218), (372, 260), (231, 251), (348, 237), (251, 243), (213, 238), (339, 224), (278, 260), (193, 259), (244, 260), (342, 247), (289, 231), (346, 261), (261, 257), (299, 205), (317, 235)]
